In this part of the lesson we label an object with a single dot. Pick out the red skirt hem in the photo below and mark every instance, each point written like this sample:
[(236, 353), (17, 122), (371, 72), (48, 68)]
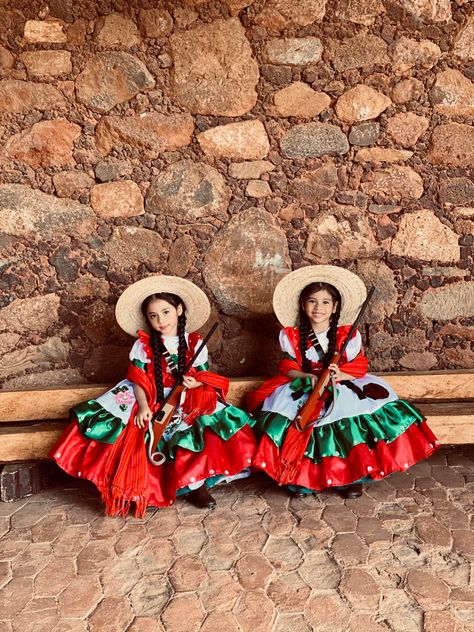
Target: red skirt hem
[(415, 444), (85, 458)]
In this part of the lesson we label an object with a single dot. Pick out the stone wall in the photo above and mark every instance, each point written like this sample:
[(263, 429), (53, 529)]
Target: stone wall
[(230, 142)]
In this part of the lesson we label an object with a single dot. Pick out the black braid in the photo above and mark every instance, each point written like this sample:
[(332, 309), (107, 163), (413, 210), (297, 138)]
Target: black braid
[(182, 346), (332, 336), (157, 346), (304, 332)]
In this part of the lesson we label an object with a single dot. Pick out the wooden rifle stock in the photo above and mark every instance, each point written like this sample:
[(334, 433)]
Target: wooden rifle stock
[(305, 414), (167, 408)]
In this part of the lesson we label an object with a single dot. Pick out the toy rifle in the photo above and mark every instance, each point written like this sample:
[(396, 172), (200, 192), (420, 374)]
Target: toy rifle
[(306, 413), (168, 406)]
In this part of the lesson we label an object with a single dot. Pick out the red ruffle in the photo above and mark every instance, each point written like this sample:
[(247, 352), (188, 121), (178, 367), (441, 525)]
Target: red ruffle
[(83, 458), (415, 444)]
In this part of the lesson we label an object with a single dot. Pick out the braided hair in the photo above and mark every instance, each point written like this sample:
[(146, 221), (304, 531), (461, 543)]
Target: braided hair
[(156, 340), (305, 325)]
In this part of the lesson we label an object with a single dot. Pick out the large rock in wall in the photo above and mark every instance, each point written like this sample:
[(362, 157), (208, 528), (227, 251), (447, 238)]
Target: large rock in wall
[(280, 14), (25, 212), (246, 260), (230, 143), (151, 133), (341, 234), (46, 144), (214, 71), (112, 78), (189, 192)]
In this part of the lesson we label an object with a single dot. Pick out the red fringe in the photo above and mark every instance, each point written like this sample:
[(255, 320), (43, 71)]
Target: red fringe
[(293, 449), (292, 454), (126, 473), (86, 458)]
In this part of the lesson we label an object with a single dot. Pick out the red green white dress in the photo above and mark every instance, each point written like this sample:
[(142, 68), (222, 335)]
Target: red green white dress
[(208, 442), (366, 433)]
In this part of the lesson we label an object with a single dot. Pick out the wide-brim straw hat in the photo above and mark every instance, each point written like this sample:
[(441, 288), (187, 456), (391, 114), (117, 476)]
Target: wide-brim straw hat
[(286, 297), (128, 309)]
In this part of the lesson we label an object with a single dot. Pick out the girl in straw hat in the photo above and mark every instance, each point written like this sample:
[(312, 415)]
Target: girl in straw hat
[(207, 441), (360, 431)]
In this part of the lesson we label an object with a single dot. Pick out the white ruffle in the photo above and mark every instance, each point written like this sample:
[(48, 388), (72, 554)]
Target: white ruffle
[(137, 352), (352, 350)]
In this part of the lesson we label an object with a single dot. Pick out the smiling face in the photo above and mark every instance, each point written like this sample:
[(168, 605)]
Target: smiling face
[(163, 317), (319, 306)]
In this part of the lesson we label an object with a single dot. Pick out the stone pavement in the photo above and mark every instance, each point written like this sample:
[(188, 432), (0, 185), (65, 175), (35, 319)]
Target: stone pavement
[(399, 558)]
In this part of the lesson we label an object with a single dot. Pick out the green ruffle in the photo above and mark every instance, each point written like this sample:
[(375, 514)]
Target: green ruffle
[(224, 423), (339, 437), (139, 364), (97, 423)]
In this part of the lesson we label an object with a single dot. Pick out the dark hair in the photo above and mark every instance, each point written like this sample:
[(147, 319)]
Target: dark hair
[(156, 340), (305, 325)]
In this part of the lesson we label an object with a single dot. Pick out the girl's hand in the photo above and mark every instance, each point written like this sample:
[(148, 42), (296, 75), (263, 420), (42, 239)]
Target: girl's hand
[(314, 379), (190, 382), (143, 416), (335, 372)]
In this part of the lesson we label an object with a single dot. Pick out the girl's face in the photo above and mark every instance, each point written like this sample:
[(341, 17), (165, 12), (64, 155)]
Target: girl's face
[(163, 317), (319, 307)]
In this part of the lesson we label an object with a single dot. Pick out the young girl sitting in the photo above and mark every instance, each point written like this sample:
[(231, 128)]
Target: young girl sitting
[(207, 441), (360, 430)]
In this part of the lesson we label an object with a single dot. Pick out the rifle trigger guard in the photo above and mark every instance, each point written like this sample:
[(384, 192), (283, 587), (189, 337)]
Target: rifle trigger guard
[(161, 458)]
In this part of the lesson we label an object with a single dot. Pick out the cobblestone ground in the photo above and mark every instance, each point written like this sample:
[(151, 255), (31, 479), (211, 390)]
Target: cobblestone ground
[(399, 558)]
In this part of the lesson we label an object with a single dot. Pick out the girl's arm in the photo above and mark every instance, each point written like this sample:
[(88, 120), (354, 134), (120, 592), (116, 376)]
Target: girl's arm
[(338, 374), (144, 413), (356, 364), (293, 374)]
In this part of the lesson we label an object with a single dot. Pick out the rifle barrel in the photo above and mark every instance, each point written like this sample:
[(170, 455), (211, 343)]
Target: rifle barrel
[(358, 319)]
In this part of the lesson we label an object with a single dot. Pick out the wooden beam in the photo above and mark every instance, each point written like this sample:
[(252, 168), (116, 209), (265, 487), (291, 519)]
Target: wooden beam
[(28, 443), (54, 403), (451, 422), (417, 386)]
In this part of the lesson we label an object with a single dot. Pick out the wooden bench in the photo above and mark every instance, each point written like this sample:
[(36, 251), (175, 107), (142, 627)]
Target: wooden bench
[(31, 421)]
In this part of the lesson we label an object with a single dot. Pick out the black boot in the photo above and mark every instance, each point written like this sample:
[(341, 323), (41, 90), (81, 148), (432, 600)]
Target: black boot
[(201, 498), (296, 494), (353, 491)]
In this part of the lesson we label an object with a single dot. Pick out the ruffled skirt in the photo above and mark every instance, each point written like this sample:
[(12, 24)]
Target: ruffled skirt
[(217, 447), (367, 433)]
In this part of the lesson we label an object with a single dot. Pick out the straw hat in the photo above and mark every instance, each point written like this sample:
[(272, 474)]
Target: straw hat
[(128, 309), (287, 293)]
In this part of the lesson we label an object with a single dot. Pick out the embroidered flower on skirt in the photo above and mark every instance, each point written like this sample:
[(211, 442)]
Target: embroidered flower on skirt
[(123, 398)]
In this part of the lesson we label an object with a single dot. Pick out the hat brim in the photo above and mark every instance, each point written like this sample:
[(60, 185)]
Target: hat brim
[(287, 293), (128, 309)]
